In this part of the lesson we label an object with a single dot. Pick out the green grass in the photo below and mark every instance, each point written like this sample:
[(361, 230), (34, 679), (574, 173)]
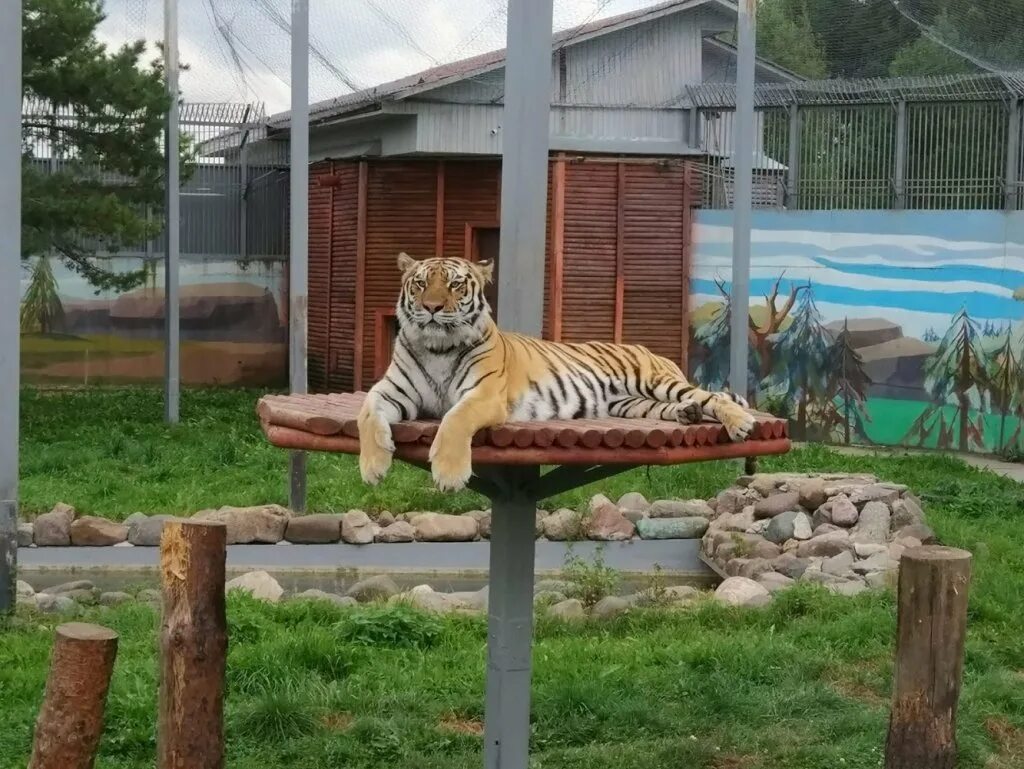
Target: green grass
[(802, 684)]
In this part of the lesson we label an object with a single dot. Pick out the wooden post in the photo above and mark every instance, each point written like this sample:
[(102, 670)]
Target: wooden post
[(193, 646), (71, 719), (932, 625)]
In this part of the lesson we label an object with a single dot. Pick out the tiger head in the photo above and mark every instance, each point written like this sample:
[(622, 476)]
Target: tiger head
[(442, 299)]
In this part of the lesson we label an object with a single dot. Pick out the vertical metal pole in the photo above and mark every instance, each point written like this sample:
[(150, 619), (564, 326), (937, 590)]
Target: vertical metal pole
[(10, 289), (243, 203), (524, 165), (743, 166), (900, 168), (299, 231), (793, 174), (510, 620), (172, 359), (1013, 145)]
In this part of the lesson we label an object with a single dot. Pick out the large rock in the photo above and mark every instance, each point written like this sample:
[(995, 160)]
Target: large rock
[(436, 527), (877, 562), (483, 522), (678, 508), (773, 582), (25, 534), (917, 531), (313, 529), (146, 531), (877, 492), (114, 598), (607, 524), (672, 528), (849, 588), (384, 519), (358, 529), (839, 565), (55, 604), (53, 529), (751, 568), (610, 606), (731, 501), (844, 512), (563, 525), (873, 525), (828, 544), (399, 531), (570, 610), (473, 599), (263, 524), (788, 525), (91, 531), (319, 595), (741, 591), (790, 565), (777, 504), (258, 584), (906, 512), (424, 597), (376, 588), (24, 590), (69, 587), (740, 521), (633, 502), (812, 492)]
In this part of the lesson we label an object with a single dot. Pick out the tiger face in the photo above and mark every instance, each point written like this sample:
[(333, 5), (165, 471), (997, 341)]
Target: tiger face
[(443, 298)]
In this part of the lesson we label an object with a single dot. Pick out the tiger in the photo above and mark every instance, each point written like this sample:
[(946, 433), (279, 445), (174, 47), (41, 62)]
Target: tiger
[(450, 362)]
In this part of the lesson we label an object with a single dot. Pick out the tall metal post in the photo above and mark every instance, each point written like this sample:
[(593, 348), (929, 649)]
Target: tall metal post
[(298, 289), (172, 193), (10, 275), (524, 166), (1013, 148), (743, 167), (793, 172), (900, 168), (524, 183)]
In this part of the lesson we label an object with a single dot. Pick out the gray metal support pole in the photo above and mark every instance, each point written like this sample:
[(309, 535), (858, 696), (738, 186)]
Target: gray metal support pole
[(793, 172), (1013, 147), (524, 166), (298, 290), (899, 171), (243, 203), (10, 290), (172, 211), (510, 620), (743, 162)]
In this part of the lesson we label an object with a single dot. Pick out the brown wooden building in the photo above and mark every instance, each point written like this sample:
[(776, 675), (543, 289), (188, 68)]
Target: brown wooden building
[(617, 250)]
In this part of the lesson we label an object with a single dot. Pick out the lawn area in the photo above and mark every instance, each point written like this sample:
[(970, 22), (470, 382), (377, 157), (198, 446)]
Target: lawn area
[(801, 684)]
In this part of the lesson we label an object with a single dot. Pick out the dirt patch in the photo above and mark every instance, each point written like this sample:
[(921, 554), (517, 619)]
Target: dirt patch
[(471, 726), (338, 722), (1009, 741)]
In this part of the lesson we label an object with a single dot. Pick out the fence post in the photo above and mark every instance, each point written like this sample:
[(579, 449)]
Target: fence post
[(932, 625), (1013, 146), (70, 721), (193, 646), (793, 173), (900, 167)]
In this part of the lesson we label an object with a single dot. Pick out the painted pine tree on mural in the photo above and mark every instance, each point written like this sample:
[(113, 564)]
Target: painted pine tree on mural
[(957, 375), (714, 337), (846, 408), (1007, 377), (41, 307), (803, 358)]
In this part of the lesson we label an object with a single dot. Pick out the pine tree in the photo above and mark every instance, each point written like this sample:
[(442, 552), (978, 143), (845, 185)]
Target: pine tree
[(119, 106), (957, 374), (803, 356), (848, 387), (1007, 378), (41, 307), (930, 335)]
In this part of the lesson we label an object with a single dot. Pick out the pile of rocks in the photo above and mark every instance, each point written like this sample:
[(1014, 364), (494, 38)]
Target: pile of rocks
[(847, 532), (604, 521)]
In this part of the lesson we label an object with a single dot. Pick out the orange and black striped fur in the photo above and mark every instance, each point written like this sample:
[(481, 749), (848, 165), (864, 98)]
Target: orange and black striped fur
[(451, 362)]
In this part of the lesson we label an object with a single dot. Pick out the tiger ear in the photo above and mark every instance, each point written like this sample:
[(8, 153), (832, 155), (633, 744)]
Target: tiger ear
[(486, 268), (405, 262)]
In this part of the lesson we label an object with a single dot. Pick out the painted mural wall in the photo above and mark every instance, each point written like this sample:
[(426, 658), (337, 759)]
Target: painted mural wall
[(877, 327), (233, 323)]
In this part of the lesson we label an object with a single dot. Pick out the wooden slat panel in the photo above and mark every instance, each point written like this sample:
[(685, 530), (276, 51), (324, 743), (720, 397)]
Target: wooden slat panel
[(320, 197), (343, 283)]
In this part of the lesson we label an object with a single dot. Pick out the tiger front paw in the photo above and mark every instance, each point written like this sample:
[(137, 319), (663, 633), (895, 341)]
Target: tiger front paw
[(689, 412), (375, 449), (738, 422), (450, 466)]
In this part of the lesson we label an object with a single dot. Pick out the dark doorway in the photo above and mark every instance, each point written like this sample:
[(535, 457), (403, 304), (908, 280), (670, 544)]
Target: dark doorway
[(485, 246)]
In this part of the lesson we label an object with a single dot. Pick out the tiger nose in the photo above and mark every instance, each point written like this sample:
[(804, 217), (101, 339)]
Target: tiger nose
[(432, 307)]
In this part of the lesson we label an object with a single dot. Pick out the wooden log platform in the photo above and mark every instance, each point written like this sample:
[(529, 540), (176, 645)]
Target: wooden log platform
[(328, 423)]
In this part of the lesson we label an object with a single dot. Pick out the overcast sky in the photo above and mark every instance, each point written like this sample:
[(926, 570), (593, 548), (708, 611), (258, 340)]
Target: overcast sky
[(236, 50)]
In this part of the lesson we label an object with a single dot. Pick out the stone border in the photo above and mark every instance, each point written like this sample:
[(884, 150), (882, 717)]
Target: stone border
[(633, 517)]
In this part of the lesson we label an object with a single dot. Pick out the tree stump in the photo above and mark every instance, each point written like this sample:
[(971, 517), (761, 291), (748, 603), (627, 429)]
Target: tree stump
[(193, 646), (70, 721), (932, 626)]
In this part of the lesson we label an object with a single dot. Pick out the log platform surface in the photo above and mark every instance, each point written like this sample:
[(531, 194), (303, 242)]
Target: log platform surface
[(328, 423)]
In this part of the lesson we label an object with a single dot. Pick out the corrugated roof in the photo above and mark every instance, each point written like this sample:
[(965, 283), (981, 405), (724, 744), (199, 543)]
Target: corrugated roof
[(476, 65)]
